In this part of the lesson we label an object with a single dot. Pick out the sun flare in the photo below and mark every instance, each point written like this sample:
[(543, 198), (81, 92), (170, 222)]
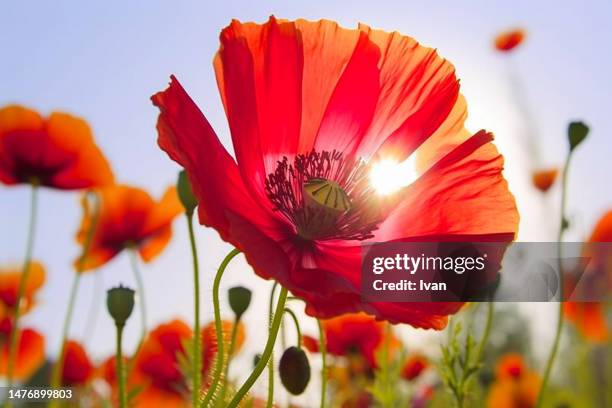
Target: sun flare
[(388, 176)]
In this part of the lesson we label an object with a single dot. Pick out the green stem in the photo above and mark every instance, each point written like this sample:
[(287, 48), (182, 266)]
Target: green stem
[(218, 328), (141, 294), (557, 340), (120, 371), (323, 350), (487, 331), (230, 352), (297, 326), (197, 341), (270, 400), (385, 365), (261, 365), (14, 338), (57, 368)]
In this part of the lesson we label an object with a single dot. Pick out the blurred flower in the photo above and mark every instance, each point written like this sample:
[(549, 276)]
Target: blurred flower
[(78, 368), (209, 341), (414, 366), (515, 386), (58, 151), (30, 350), (357, 336), (128, 217), (589, 317), (9, 286), (543, 179), (156, 367), (509, 40), (312, 107), (310, 343)]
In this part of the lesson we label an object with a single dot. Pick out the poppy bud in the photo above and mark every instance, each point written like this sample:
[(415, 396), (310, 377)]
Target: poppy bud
[(120, 303), (239, 300), (185, 193), (577, 132), (294, 370)]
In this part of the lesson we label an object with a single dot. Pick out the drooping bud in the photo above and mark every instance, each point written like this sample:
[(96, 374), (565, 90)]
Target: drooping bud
[(294, 370), (120, 303), (576, 133), (239, 300), (185, 192)]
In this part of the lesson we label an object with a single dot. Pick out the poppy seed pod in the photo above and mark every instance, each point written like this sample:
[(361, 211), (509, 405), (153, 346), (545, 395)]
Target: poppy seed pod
[(239, 300), (185, 192), (294, 370), (577, 132), (120, 303)]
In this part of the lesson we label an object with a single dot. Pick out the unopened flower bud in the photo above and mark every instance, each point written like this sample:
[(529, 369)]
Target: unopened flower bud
[(576, 133), (120, 303), (239, 300), (294, 370), (185, 193)]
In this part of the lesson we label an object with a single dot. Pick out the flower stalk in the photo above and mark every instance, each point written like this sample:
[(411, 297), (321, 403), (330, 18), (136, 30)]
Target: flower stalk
[(197, 340), (323, 351)]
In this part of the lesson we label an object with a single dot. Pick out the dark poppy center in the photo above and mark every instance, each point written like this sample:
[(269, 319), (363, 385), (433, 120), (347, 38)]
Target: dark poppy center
[(325, 196)]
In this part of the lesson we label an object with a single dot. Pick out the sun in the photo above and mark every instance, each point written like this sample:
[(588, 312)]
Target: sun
[(388, 176)]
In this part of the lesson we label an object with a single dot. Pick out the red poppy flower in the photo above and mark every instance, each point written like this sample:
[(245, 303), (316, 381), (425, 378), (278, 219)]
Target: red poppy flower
[(30, 350), (515, 386), (129, 218), (57, 152), (544, 179), (312, 108), (509, 40), (78, 368), (355, 335), (414, 366), (10, 279), (310, 343), (157, 370)]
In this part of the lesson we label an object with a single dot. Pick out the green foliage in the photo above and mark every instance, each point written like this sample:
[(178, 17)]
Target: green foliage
[(386, 388), (459, 364)]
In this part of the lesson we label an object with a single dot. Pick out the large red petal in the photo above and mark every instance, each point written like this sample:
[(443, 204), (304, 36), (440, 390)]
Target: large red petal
[(188, 138)]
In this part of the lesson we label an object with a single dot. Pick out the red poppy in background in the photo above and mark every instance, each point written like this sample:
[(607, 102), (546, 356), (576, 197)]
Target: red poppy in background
[(58, 151), (209, 341), (356, 335), (590, 317), (515, 385), (30, 350), (10, 279), (509, 40), (312, 108), (414, 366), (543, 179), (78, 368), (157, 370), (128, 218)]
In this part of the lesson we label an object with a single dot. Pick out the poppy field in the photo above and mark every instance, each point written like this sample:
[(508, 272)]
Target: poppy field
[(188, 198)]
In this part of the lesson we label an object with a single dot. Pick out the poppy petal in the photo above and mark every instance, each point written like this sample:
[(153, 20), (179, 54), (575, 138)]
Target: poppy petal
[(186, 135)]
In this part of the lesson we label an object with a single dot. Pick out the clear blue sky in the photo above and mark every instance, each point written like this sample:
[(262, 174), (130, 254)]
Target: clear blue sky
[(102, 61)]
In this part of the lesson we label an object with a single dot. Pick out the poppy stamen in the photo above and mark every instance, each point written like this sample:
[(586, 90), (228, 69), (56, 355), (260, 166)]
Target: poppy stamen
[(325, 195)]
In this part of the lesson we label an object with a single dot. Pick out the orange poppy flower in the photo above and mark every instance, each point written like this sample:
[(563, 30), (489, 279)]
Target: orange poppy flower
[(209, 341), (58, 151), (30, 350), (544, 179), (78, 368), (10, 279), (509, 40), (515, 386), (156, 367), (128, 217), (310, 343), (312, 102), (589, 317), (414, 366)]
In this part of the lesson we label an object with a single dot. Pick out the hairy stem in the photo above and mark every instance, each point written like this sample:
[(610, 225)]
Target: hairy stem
[(323, 350), (197, 340)]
